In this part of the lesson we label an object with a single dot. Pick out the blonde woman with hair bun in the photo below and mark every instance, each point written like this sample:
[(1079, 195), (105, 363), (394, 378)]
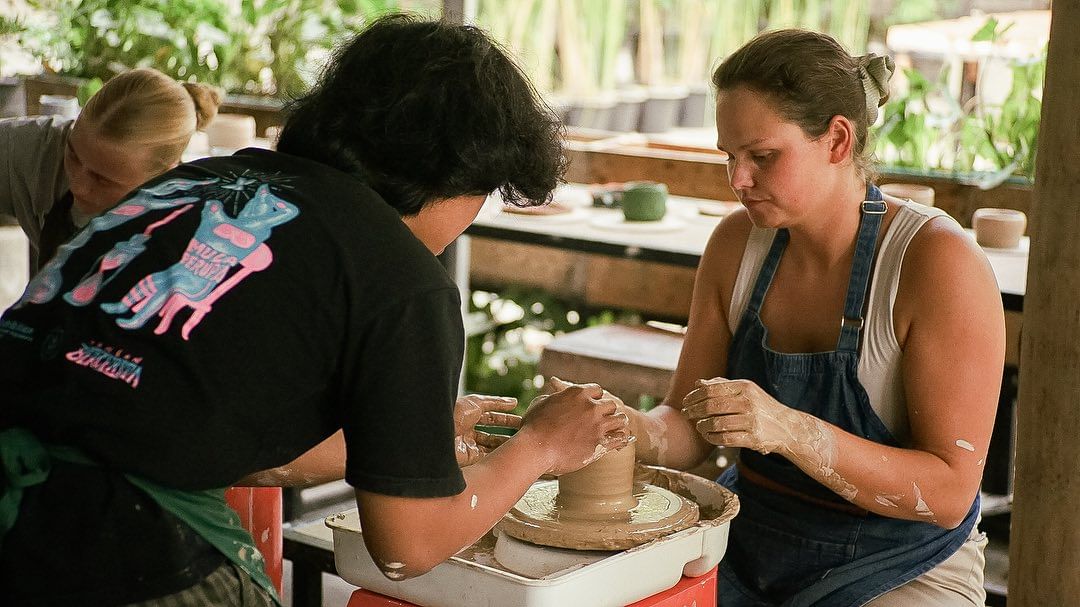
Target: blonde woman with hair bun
[(57, 174)]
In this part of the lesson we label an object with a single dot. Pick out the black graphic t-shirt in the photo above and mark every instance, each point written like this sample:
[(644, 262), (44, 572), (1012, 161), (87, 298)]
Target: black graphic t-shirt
[(225, 318)]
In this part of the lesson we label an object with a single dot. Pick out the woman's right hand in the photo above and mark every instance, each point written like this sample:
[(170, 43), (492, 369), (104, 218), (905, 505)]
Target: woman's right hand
[(576, 425)]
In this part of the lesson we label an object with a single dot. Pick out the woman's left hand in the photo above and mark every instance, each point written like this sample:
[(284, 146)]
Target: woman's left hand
[(738, 413), (471, 410)]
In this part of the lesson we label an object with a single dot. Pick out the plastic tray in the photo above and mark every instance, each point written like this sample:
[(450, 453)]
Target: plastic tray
[(623, 578)]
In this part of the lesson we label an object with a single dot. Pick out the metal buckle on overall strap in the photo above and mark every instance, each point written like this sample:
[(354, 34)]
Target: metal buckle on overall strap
[(854, 323), (874, 207)]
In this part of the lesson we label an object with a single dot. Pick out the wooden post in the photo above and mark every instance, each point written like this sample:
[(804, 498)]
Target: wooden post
[(1044, 555)]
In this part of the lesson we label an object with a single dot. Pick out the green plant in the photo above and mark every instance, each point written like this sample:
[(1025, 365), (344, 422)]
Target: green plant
[(590, 35), (528, 29), (271, 47), (651, 56), (910, 126), (98, 38), (504, 359), (87, 89), (733, 23), (10, 28), (925, 128), (915, 11), (1006, 133), (736, 22), (11, 25)]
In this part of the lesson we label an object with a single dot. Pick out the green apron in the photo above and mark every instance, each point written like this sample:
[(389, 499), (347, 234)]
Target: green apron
[(26, 462)]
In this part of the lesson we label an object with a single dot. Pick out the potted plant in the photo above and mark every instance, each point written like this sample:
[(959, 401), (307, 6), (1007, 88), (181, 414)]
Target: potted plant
[(273, 47), (590, 35), (661, 110), (528, 29)]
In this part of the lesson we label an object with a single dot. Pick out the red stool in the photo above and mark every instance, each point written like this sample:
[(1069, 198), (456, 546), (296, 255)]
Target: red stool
[(260, 513), (699, 591)]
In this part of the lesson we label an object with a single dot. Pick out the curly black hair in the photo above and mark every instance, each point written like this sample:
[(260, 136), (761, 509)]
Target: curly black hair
[(426, 110)]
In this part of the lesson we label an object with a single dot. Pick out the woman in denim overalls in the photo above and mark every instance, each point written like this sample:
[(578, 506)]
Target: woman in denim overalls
[(838, 506)]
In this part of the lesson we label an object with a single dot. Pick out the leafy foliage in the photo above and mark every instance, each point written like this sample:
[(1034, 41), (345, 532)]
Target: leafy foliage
[(504, 359), (926, 128), (249, 46)]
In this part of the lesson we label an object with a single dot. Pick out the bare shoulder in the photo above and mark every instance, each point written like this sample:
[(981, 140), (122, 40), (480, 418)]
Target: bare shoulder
[(723, 254), (728, 238), (945, 272), (941, 248)]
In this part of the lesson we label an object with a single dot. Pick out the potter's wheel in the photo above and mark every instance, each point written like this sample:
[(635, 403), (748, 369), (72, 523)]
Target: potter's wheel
[(542, 562), (538, 518), (599, 507), (477, 577)]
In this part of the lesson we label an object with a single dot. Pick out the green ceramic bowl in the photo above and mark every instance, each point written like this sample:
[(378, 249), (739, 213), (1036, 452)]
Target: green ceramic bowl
[(644, 201)]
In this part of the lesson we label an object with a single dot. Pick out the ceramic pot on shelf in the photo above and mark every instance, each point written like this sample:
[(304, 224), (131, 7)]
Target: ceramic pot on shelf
[(661, 110), (922, 194), (998, 228), (627, 111), (596, 111), (230, 132), (695, 106)]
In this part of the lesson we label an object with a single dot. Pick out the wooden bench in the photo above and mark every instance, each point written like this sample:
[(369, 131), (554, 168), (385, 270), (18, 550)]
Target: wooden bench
[(630, 362)]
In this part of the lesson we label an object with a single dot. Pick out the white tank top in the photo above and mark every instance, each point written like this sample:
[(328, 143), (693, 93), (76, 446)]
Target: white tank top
[(879, 359)]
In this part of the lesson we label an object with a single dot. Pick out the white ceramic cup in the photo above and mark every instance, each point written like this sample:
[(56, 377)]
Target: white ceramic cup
[(14, 264), (921, 194), (65, 106), (273, 133), (998, 228), (198, 145), (231, 131)]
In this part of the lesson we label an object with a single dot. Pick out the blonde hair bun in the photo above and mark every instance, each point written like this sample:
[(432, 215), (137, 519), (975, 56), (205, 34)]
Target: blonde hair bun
[(207, 101), (147, 108)]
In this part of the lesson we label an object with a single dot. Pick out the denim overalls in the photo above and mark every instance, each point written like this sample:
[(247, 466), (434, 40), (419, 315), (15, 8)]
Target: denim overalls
[(795, 542)]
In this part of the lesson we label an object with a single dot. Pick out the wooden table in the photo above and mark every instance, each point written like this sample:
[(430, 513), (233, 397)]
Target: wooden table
[(598, 231)]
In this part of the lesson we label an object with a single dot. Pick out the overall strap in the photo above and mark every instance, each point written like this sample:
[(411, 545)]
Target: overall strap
[(768, 270), (851, 324)]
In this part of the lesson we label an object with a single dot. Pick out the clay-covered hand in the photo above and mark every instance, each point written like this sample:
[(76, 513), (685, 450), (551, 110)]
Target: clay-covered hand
[(474, 410), (554, 383), (738, 413), (576, 425)]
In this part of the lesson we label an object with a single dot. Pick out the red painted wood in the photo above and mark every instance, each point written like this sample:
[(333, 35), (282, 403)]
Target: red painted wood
[(260, 513)]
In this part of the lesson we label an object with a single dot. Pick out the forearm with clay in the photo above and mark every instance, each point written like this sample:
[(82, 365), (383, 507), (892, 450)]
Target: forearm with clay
[(324, 463), (665, 437), (912, 484), (899, 483)]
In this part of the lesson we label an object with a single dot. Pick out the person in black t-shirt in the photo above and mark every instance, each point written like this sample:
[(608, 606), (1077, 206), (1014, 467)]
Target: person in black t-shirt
[(281, 318)]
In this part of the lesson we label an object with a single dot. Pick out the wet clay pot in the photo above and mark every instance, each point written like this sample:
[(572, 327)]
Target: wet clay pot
[(603, 490), (598, 508)]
